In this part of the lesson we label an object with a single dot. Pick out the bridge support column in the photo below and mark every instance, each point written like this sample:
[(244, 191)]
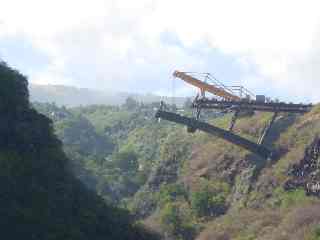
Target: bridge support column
[(267, 129), (234, 119)]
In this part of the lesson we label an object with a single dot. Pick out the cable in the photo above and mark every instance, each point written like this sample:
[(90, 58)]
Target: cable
[(173, 90)]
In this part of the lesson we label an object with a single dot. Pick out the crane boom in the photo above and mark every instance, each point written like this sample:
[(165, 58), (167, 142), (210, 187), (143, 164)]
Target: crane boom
[(205, 87)]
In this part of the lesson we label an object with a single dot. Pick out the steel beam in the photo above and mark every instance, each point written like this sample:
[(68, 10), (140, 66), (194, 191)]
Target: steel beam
[(252, 105), (226, 135), (267, 129), (234, 119)]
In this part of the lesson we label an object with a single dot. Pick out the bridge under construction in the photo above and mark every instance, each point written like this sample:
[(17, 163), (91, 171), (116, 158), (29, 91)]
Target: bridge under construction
[(235, 99)]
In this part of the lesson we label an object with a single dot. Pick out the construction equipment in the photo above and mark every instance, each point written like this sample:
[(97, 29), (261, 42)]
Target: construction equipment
[(219, 90), (236, 99)]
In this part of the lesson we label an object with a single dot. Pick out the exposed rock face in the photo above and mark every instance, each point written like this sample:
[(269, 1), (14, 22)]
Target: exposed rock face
[(306, 173)]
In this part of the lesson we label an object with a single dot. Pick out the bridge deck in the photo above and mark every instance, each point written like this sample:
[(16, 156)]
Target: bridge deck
[(226, 135), (252, 105)]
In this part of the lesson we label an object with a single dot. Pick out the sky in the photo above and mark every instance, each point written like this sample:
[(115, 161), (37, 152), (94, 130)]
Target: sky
[(271, 47)]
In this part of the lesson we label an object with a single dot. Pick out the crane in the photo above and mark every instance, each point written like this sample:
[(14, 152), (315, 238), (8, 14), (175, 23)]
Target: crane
[(221, 90)]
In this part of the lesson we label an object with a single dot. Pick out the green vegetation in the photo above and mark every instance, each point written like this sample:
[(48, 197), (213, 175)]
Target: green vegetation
[(40, 198), (191, 186), (178, 220), (112, 149), (287, 199), (210, 199), (315, 235), (180, 215), (171, 193)]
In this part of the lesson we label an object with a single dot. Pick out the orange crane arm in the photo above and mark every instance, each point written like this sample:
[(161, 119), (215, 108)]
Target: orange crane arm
[(204, 87)]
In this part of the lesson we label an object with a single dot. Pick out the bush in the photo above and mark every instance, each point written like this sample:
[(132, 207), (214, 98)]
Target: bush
[(210, 199), (286, 199), (315, 234), (171, 192), (177, 219), (126, 160)]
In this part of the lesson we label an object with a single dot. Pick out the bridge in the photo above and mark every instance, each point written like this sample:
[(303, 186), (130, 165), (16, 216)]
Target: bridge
[(236, 99), (218, 132)]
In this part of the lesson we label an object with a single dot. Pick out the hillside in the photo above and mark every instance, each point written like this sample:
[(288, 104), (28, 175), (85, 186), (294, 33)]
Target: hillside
[(40, 197), (73, 96), (195, 186), (159, 120)]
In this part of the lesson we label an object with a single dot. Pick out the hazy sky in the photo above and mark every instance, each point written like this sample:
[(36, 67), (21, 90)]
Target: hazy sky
[(270, 46)]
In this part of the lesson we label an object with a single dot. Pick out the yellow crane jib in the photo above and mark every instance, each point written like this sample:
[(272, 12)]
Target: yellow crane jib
[(205, 87)]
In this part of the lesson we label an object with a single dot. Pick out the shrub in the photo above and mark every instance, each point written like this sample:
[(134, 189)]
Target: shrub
[(171, 192), (126, 160), (286, 199), (315, 234), (178, 220), (210, 199)]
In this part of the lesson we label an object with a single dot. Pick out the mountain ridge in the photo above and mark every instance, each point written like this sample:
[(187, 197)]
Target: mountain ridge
[(71, 96)]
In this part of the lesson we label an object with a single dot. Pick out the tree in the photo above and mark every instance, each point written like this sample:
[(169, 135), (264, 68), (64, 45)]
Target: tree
[(40, 198), (177, 219), (210, 199), (131, 103), (172, 192), (14, 93), (126, 160)]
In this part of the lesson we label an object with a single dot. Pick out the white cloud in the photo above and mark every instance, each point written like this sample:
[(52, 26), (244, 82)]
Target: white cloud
[(49, 77), (277, 36), (117, 43)]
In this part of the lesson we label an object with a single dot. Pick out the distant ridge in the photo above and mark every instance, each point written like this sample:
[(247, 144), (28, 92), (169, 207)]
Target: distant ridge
[(72, 96)]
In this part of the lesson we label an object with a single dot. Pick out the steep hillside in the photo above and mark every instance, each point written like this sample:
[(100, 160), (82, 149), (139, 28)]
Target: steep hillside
[(40, 198), (266, 207), (73, 96), (112, 149), (196, 186), (233, 194)]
